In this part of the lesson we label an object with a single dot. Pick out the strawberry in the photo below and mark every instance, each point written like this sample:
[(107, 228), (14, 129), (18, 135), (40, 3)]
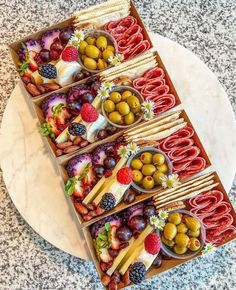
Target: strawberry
[(27, 73), (124, 175), (32, 63), (104, 255), (115, 243), (89, 178), (152, 243), (79, 192), (70, 53), (53, 126), (89, 113)]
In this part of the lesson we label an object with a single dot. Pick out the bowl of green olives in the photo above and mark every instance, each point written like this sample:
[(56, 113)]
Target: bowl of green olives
[(183, 235), (95, 50), (148, 166), (122, 108)]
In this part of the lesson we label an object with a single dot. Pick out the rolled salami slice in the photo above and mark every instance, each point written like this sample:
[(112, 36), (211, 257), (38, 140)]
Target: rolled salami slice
[(205, 199), (183, 154), (218, 238), (222, 223), (154, 73), (164, 103), (193, 167)]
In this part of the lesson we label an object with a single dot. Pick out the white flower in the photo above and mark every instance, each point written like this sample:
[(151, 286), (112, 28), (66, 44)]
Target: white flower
[(103, 93), (107, 85), (163, 214), (148, 115), (123, 151), (133, 148), (79, 34), (156, 222), (120, 57), (170, 181), (148, 106), (209, 247), (116, 59), (74, 41)]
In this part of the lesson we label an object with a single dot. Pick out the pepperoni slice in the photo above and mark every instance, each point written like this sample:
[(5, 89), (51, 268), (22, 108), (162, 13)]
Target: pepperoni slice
[(219, 224), (218, 238), (192, 167), (128, 35), (183, 154), (154, 73), (164, 103), (204, 199)]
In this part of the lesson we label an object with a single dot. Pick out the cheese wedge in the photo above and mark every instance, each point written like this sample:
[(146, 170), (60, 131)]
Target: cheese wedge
[(146, 258)]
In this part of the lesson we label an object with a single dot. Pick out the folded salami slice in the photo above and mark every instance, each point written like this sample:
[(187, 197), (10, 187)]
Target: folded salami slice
[(154, 73), (192, 167), (183, 154), (215, 211), (151, 92), (219, 224), (219, 237), (164, 103), (205, 199)]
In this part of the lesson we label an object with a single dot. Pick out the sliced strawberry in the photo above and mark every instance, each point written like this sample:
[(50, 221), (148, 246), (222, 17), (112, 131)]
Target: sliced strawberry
[(104, 256), (32, 63), (115, 243), (89, 178), (28, 73), (79, 191), (53, 126)]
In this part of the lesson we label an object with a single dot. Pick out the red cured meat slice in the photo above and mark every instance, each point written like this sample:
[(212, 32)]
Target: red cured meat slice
[(220, 209), (192, 167), (218, 238), (123, 23), (143, 46), (125, 46), (155, 72), (180, 155), (178, 143), (141, 83), (169, 142), (151, 92), (222, 223), (204, 199), (164, 103)]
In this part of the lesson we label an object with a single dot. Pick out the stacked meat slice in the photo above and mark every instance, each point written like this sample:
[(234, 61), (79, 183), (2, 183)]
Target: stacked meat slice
[(183, 153), (152, 85), (129, 36), (215, 214)]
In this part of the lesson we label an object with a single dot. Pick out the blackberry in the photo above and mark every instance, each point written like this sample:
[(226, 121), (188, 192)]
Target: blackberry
[(48, 71), (108, 201), (77, 129), (137, 272)]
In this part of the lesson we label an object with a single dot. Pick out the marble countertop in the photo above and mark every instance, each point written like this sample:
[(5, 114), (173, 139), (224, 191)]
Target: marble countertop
[(29, 262)]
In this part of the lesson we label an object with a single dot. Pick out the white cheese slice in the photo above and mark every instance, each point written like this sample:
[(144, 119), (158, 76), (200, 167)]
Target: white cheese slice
[(65, 71), (146, 258), (118, 190), (93, 127)]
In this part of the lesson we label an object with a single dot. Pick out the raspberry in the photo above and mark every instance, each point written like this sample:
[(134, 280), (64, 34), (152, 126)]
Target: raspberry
[(152, 244), (89, 113), (124, 175), (116, 148), (70, 53)]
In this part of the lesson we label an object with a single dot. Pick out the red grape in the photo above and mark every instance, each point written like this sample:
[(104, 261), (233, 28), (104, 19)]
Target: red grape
[(124, 233), (137, 223)]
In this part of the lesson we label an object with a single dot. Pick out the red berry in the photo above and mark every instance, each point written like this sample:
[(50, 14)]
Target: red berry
[(108, 173), (70, 53), (152, 244), (89, 113), (125, 175)]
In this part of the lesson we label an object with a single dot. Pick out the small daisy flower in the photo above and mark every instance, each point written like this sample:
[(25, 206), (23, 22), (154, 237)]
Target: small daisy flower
[(209, 247), (107, 85), (160, 224), (148, 115), (170, 181), (74, 41), (113, 60), (123, 151), (148, 106), (133, 148), (163, 214), (103, 93), (153, 220), (120, 57), (156, 222), (79, 34)]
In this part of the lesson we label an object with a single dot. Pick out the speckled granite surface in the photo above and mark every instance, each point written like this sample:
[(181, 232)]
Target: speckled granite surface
[(26, 260)]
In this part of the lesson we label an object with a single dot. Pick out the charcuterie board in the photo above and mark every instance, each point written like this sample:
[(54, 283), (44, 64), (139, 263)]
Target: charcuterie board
[(125, 154)]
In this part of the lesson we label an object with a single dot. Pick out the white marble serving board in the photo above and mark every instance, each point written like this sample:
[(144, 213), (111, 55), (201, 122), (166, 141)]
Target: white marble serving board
[(34, 183)]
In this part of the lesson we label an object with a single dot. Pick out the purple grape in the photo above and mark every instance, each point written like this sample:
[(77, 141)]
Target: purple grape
[(95, 87), (65, 35), (79, 76), (124, 233), (137, 223), (102, 134), (109, 162), (112, 253), (74, 107), (45, 55), (149, 210), (87, 98), (120, 139), (129, 196), (164, 255), (109, 151), (99, 170), (111, 130), (157, 262)]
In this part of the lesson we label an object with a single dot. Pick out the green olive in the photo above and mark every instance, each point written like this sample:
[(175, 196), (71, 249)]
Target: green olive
[(146, 157), (137, 176), (109, 106), (123, 108), (192, 223), (136, 164), (182, 240), (115, 117), (170, 231), (148, 169), (148, 182), (194, 244), (167, 242), (157, 177), (115, 97), (133, 102), (101, 42), (101, 64), (175, 218), (162, 168), (194, 234), (136, 110), (129, 118), (90, 63), (180, 250), (111, 47), (82, 46), (126, 94), (181, 228), (90, 40), (92, 51), (158, 159), (107, 53)]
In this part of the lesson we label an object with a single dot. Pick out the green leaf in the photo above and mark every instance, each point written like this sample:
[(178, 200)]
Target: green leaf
[(44, 130), (107, 227), (85, 172), (56, 110), (70, 185)]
